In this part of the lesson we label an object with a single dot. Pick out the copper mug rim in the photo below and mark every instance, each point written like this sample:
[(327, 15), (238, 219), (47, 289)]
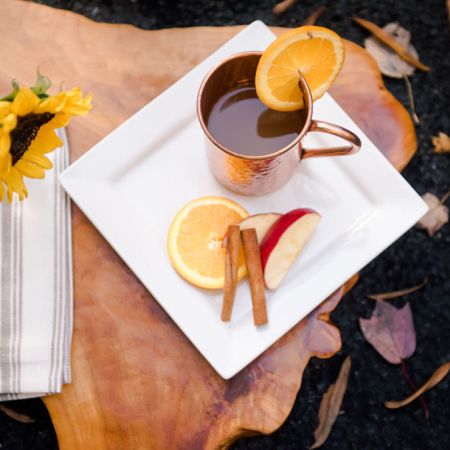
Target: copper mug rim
[(308, 104)]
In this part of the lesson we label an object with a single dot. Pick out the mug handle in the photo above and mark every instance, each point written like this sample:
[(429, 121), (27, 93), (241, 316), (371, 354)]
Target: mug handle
[(354, 143)]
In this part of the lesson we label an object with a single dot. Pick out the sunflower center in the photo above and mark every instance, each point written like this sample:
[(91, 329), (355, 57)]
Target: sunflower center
[(26, 130)]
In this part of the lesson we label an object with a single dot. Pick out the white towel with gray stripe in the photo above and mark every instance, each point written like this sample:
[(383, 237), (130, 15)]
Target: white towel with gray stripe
[(36, 287)]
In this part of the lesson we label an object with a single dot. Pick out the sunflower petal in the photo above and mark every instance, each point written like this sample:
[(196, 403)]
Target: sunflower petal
[(5, 164), (38, 159), (59, 121), (5, 144), (75, 104), (45, 141), (2, 190), (29, 169), (8, 123), (4, 108), (52, 105), (14, 182), (24, 102)]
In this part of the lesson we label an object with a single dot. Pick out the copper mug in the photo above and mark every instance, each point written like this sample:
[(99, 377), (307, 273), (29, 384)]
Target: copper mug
[(258, 175)]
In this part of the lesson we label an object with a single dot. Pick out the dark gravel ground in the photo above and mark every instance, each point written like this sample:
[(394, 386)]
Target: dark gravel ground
[(364, 423)]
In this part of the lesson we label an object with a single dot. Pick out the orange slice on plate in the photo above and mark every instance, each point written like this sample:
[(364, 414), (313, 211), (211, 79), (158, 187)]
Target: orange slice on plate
[(195, 240), (316, 52)]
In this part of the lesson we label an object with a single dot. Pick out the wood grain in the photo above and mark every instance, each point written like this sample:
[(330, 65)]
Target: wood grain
[(138, 383), (360, 91)]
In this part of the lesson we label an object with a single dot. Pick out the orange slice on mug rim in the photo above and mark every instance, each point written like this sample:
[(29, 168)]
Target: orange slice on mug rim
[(316, 52)]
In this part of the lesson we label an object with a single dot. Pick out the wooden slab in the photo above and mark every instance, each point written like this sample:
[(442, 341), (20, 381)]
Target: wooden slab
[(138, 383)]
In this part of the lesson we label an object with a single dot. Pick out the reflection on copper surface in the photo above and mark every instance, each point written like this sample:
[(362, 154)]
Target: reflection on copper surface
[(260, 174)]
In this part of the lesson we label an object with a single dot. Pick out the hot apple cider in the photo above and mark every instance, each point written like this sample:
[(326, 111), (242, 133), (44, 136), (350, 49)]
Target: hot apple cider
[(243, 124)]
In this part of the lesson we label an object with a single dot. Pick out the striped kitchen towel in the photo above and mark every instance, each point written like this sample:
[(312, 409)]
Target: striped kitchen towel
[(36, 287)]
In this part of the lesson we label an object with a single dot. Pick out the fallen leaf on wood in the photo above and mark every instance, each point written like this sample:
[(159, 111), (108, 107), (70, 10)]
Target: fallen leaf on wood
[(390, 331), (387, 39), (283, 6), (399, 293), (312, 18), (331, 404), (436, 378), (437, 215), (441, 143), (388, 60), (23, 418)]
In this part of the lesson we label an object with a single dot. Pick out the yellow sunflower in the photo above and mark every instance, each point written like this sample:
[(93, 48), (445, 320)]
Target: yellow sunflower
[(28, 119)]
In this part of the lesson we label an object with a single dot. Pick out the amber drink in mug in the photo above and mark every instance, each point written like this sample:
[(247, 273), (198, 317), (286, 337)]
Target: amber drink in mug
[(252, 149)]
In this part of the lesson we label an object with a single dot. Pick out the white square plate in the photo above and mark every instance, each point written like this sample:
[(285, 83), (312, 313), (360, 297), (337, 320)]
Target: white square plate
[(132, 196)]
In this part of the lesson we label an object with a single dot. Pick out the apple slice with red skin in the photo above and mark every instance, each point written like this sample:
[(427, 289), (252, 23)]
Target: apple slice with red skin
[(284, 241), (260, 222)]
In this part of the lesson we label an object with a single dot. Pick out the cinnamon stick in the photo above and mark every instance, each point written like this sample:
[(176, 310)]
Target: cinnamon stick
[(231, 271), (255, 273)]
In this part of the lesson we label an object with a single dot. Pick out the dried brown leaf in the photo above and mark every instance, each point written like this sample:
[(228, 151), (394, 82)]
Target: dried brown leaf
[(312, 18), (23, 418), (392, 43), (441, 143), (436, 378), (331, 404), (437, 215), (388, 60), (283, 6), (390, 331), (400, 293)]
